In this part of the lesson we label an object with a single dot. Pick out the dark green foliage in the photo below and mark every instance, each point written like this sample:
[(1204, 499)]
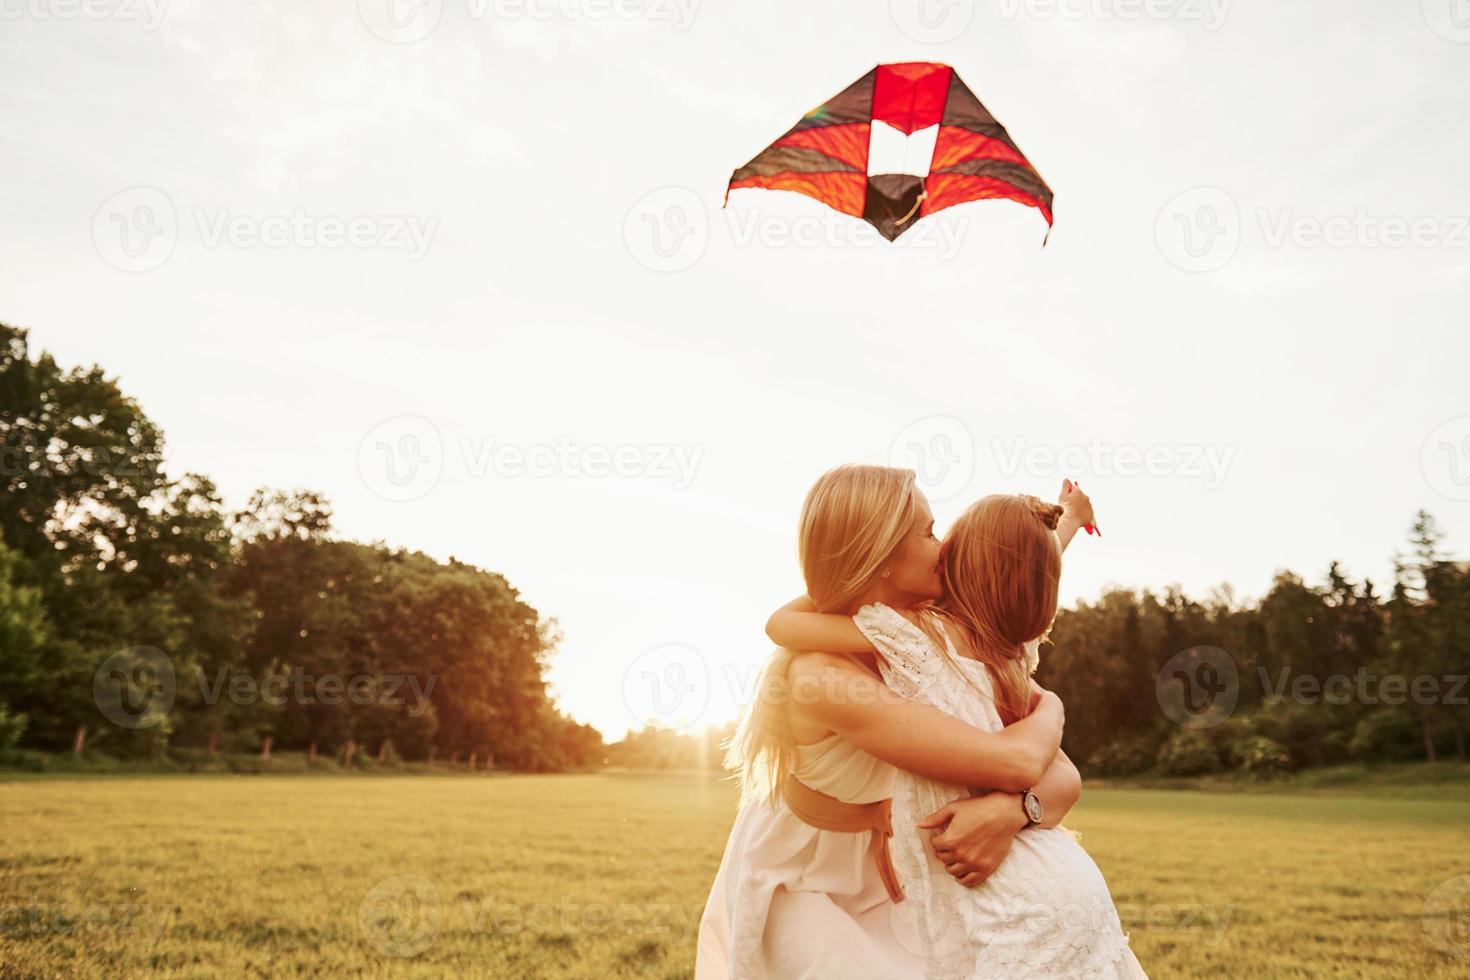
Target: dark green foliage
[(1324, 673), (269, 626)]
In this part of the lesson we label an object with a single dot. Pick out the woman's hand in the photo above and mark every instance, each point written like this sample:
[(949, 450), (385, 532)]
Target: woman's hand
[(972, 837)]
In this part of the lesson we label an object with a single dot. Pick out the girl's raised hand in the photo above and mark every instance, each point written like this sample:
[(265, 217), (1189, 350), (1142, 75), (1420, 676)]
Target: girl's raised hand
[(1077, 507)]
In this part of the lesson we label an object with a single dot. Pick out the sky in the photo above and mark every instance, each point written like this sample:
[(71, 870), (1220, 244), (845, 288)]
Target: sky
[(463, 266)]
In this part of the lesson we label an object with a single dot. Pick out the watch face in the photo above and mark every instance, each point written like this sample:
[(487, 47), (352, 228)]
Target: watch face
[(1033, 807)]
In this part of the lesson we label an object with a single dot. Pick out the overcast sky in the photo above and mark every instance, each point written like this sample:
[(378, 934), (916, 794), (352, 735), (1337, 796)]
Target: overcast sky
[(463, 267)]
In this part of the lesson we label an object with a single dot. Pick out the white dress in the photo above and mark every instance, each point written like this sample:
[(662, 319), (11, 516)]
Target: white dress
[(791, 902), (1046, 911)]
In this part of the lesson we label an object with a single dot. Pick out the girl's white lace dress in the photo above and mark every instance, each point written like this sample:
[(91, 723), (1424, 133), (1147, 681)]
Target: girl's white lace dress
[(1046, 912)]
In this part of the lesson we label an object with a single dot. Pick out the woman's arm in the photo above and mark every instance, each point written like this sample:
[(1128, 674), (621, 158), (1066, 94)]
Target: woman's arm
[(1059, 790), (973, 836), (798, 626), (919, 738)]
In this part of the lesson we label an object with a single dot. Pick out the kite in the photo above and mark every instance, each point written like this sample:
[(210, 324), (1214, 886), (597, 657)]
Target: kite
[(836, 153)]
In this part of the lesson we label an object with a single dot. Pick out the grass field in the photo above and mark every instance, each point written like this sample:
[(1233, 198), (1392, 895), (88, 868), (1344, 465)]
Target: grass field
[(605, 876)]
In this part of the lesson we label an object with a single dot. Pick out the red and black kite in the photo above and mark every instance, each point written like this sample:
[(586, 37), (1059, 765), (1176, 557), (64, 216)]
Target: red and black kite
[(829, 155)]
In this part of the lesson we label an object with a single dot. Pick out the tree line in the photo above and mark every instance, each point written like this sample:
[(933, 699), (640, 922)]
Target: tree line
[(1312, 674), (139, 616)]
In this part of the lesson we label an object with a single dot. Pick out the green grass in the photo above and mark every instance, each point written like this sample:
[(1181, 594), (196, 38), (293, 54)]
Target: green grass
[(605, 876)]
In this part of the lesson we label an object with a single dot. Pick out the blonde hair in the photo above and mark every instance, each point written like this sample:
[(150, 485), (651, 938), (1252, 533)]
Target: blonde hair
[(852, 522), (1000, 566)]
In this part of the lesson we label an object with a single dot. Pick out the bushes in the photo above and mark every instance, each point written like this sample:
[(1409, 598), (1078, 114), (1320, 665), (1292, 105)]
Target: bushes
[(1123, 757), (1188, 753), (11, 727), (1260, 756)]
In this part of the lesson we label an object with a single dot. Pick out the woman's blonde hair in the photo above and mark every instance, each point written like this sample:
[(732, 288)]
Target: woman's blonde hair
[(1000, 566), (854, 519)]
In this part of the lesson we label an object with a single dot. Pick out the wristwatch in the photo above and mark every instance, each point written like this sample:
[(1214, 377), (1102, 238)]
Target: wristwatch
[(1035, 813)]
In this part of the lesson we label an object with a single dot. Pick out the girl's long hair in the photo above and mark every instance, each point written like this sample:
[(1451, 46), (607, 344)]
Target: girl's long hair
[(853, 520), (1000, 566)]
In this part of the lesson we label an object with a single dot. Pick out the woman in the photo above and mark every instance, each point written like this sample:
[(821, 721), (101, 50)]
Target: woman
[(1046, 911), (806, 888)]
